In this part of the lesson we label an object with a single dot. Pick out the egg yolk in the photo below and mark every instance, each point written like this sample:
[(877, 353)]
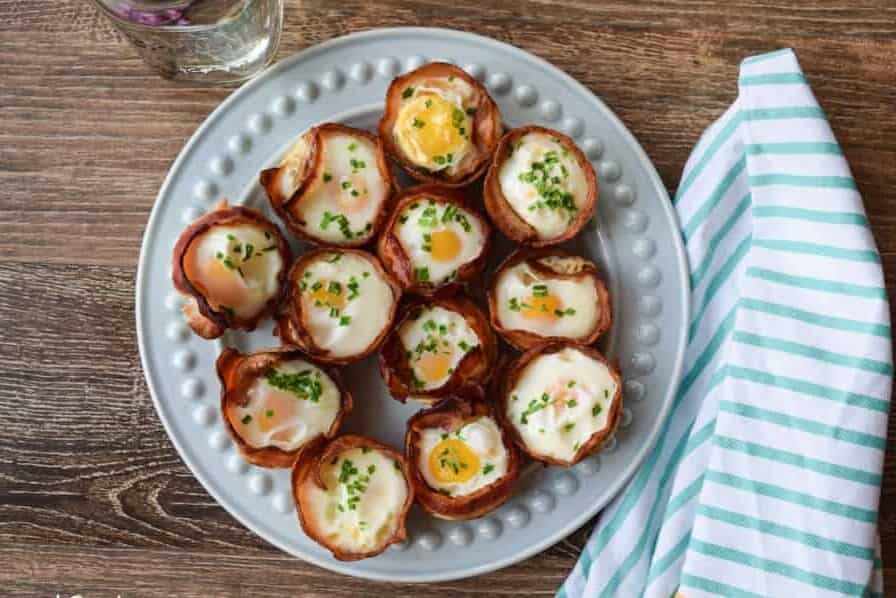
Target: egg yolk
[(324, 295), (561, 393), (220, 284), (452, 461), (434, 128), (434, 366), (542, 307), (353, 194), (277, 409), (445, 245)]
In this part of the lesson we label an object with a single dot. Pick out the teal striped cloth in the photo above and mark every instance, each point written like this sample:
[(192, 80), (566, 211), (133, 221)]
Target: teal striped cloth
[(765, 479)]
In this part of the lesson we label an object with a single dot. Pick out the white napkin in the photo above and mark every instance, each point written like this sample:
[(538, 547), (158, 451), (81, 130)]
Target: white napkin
[(765, 479)]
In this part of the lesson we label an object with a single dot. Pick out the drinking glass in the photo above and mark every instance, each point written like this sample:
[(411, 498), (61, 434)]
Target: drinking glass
[(205, 41)]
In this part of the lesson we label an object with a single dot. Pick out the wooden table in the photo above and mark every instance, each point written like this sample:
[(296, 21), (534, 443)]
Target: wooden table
[(93, 497)]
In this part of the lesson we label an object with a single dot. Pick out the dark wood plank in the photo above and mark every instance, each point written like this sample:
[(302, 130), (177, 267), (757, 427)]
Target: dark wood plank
[(93, 498)]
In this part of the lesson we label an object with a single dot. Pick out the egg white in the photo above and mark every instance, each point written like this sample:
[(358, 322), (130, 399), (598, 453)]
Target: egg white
[(349, 184), (254, 279), (425, 217), (444, 329), (375, 515), (564, 175), (368, 312), (576, 294), (558, 427), (306, 418), (483, 437)]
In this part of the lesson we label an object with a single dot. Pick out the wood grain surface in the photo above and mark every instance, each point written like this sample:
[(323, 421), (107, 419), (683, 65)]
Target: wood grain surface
[(93, 497)]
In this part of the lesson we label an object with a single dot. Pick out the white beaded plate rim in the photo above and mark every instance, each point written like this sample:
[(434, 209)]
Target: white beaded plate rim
[(638, 246)]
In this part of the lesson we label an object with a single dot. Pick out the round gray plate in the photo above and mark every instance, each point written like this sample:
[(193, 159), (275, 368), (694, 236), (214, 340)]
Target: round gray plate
[(634, 239)]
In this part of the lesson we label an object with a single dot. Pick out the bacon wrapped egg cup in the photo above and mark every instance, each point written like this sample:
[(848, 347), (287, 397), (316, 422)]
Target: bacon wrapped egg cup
[(440, 124), (339, 305), (463, 465), (434, 240), (333, 187), (548, 294), (231, 263), (440, 346), (540, 189), (352, 496), (560, 401), (276, 402)]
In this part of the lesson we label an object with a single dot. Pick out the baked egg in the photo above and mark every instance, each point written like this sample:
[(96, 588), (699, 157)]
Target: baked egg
[(434, 239), (275, 402), (352, 496), (463, 463), (548, 294), (562, 401), (438, 347), (440, 124), (332, 187), (540, 189), (340, 305), (232, 264)]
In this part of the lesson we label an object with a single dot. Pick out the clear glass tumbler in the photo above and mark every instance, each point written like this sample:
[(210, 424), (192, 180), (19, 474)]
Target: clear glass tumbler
[(204, 41)]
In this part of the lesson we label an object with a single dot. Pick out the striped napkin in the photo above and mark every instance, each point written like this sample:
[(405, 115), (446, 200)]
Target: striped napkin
[(765, 479)]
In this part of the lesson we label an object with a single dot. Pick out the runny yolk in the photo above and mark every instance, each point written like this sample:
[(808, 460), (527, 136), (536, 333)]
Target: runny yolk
[(453, 461), (445, 245), (433, 126), (328, 298), (542, 307), (434, 366)]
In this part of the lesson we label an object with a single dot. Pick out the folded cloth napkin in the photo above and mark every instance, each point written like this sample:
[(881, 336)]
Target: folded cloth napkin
[(765, 479)]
